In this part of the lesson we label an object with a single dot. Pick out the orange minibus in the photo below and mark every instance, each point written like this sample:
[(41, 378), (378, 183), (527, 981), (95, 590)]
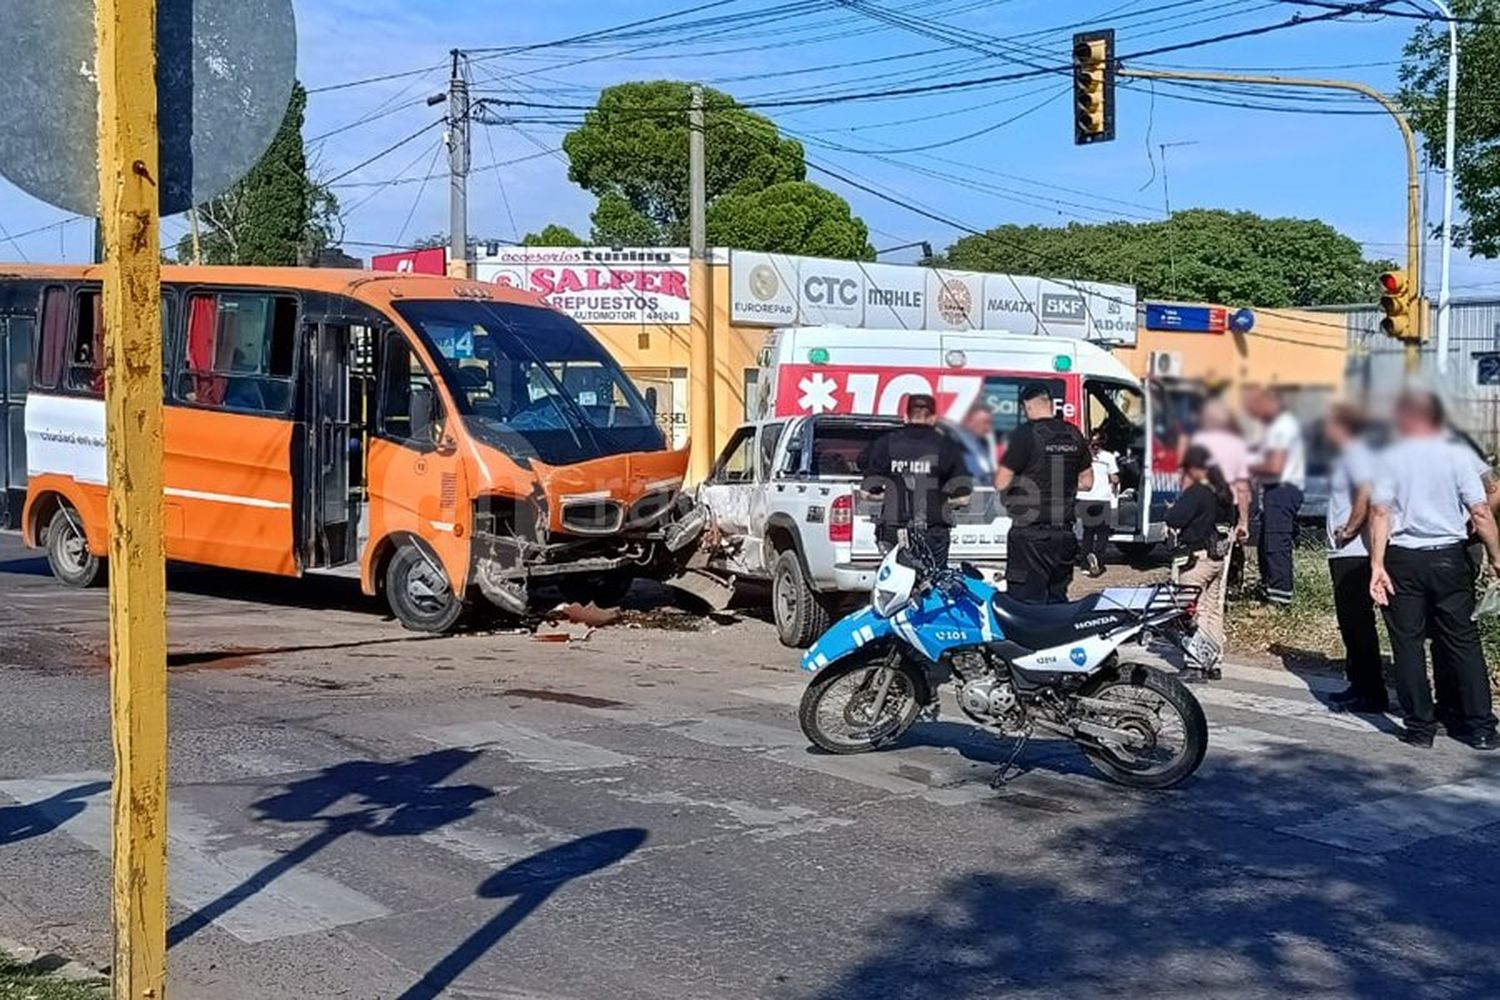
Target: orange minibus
[(448, 439)]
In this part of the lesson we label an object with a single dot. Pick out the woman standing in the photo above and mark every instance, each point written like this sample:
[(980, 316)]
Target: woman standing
[(1201, 519)]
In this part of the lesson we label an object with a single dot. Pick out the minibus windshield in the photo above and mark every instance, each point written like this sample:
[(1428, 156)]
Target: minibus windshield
[(531, 381)]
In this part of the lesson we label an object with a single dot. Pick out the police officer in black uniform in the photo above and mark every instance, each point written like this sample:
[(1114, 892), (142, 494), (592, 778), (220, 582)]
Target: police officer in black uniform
[(918, 472), (1046, 463)]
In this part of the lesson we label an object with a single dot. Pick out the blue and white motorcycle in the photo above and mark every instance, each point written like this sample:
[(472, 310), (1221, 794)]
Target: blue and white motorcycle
[(1018, 667)]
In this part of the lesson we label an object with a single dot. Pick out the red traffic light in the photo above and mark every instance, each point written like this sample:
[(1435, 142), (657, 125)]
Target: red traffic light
[(1391, 282)]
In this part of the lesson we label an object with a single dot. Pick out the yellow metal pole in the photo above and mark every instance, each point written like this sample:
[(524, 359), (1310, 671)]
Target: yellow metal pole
[(1413, 190), (128, 196)]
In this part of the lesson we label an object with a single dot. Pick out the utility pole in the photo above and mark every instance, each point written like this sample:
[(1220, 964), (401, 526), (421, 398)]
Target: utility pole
[(1444, 290), (702, 389), (1166, 201), (1413, 186), (129, 210), (458, 170)]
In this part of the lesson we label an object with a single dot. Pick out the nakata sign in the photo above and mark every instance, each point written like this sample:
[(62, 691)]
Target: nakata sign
[(784, 290), (598, 285)]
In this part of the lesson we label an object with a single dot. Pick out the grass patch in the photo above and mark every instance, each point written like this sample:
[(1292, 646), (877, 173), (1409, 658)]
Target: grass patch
[(1306, 632), (35, 981)]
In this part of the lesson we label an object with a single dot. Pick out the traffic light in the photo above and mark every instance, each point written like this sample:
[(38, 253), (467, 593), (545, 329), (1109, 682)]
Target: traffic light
[(1396, 304), (1093, 86)]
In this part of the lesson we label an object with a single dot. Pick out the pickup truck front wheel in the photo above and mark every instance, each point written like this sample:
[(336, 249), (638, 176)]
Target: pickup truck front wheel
[(801, 613)]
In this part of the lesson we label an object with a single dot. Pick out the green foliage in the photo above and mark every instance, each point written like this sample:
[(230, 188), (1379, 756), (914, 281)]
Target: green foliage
[(552, 235), (790, 217), (277, 214), (632, 153), (1424, 93), (634, 144), (1208, 255), (618, 223)]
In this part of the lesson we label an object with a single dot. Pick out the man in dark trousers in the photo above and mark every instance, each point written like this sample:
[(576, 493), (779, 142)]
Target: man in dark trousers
[(1426, 494), (1046, 462), (1349, 486), (917, 472), (1282, 473)]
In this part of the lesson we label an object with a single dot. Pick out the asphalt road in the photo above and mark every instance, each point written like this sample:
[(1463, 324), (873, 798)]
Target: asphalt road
[(357, 812)]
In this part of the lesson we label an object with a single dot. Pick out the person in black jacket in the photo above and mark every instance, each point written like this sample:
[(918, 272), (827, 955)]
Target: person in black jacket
[(1201, 519), (1046, 462), (918, 472)]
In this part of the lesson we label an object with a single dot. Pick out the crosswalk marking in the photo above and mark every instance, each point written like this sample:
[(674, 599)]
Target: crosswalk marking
[(896, 772), (1242, 739), (296, 902), (535, 749), (1282, 708), (1403, 820)]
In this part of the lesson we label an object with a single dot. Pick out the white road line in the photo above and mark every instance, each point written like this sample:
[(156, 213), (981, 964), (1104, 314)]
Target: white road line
[(1242, 739), (1282, 708), (526, 746), (297, 901), (1319, 683), (897, 771), (776, 694), (1402, 820)]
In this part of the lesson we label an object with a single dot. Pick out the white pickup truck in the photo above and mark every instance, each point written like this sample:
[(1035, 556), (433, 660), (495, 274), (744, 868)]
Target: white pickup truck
[(784, 507)]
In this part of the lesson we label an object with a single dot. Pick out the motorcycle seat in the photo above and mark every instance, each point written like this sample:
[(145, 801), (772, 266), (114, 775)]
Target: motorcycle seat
[(1041, 626)]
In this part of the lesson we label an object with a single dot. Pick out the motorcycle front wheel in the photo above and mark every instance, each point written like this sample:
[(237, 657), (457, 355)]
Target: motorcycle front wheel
[(1168, 731), (859, 707)]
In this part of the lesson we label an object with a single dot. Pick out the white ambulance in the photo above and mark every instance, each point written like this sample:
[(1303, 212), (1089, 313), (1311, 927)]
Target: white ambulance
[(823, 369)]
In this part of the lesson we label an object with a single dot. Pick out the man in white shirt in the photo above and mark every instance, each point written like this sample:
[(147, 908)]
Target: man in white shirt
[(1281, 470), (1426, 494), (1096, 506), (1349, 485)]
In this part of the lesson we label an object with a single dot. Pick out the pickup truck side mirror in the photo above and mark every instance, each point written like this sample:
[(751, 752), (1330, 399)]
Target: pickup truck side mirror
[(651, 400)]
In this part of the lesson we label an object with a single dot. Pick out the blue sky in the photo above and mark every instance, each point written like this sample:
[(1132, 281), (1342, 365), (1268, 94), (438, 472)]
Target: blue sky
[(1345, 169)]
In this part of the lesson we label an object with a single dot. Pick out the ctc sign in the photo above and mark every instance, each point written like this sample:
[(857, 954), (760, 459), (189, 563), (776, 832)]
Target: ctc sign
[(825, 290)]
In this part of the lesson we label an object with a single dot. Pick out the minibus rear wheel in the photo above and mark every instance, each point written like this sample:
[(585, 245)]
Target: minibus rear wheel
[(419, 594), (68, 551)]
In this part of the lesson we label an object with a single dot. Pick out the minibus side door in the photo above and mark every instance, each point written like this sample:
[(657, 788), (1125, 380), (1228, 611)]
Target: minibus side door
[(16, 331)]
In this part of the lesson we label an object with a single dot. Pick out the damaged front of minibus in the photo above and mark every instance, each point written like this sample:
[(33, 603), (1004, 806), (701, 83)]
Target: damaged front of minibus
[(521, 457)]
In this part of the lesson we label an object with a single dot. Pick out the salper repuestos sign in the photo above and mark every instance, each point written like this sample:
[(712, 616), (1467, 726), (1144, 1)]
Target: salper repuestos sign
[(598, 285)]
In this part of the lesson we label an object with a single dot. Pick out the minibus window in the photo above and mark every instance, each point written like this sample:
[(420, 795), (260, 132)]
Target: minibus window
[(532, 381), (86, 364), (410, 411), (240, 350), (52, 347)]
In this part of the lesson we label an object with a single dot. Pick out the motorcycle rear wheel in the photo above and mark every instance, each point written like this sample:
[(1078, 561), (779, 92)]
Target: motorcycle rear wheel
[(1169, 750), (860, 708)]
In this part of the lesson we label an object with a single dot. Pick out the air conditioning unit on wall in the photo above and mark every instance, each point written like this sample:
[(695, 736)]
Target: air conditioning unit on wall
[(1166, 364)]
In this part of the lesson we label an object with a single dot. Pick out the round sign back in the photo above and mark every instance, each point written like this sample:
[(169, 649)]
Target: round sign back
[(224, 76)]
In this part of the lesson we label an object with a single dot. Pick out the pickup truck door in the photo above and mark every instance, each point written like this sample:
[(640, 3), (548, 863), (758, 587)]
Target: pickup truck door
[(768, 457), (730, 492)]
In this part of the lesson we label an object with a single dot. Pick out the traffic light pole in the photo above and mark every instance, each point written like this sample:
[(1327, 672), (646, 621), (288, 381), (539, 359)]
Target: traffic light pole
[(1413, 193)]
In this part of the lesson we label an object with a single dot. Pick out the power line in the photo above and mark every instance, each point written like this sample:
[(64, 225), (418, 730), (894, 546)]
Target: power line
[(383, 153)]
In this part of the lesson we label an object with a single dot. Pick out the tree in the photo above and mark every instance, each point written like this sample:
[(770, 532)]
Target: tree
[(1208, 255), (1424, 93), (632, 153), (790, 217), (277, 214), (552, 235)]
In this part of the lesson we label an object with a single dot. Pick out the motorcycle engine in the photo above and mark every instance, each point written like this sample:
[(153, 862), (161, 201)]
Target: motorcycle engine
[(987, 698)]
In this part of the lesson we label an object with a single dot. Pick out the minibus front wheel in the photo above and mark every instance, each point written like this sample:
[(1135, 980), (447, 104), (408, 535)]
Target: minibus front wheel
[(419, 593)]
